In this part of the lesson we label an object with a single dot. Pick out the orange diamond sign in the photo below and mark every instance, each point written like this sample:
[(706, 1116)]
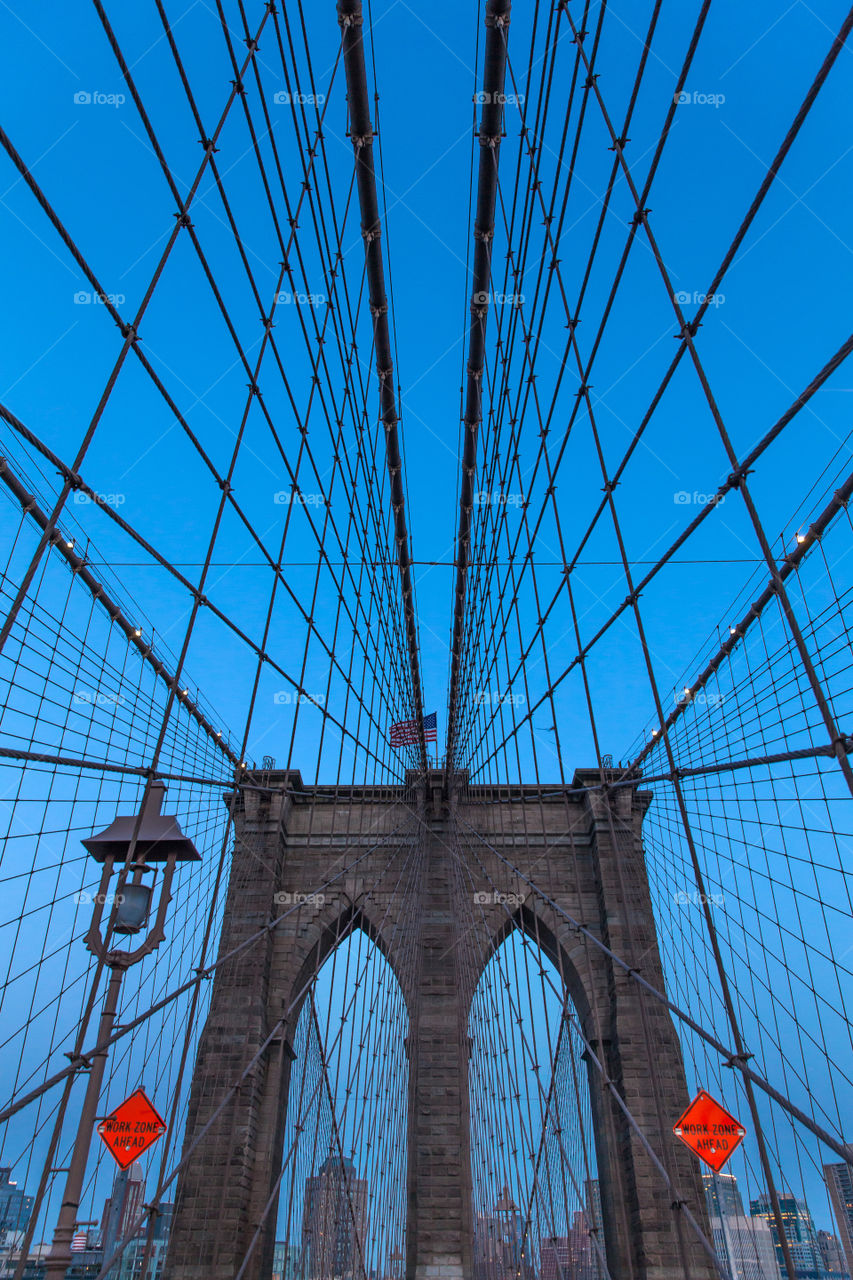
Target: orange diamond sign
[(131, 1128), (709, 1131)]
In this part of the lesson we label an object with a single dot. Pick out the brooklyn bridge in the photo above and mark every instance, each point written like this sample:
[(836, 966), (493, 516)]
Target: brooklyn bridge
[(426, 461)]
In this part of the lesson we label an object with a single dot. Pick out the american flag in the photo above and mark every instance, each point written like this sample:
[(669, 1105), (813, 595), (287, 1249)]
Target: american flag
[(405, 732)]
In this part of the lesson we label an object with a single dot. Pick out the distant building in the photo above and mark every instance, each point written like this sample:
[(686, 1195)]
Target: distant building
[(839, 1182), (334, 1222), (832, 1254), (722, 1195), (570, 1257), (87, 1255), (285, 1261), (15, 1205), (744, 1245), (500, 1249), (800, 1232), (122, 1211), (133, 1256), (34, 1268), (592, 1189)]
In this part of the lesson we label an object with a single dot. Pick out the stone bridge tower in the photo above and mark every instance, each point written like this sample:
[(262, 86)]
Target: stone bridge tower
[(582, 846)]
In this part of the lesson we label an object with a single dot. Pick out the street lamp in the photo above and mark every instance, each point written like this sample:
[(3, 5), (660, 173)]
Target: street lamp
[(158, 839)]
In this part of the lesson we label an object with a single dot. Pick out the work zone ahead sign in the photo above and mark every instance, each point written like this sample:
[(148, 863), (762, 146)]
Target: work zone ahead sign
[(131, 1128), (709, 1131)]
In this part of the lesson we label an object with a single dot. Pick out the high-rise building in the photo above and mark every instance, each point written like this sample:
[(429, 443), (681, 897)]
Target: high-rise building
[(285, 1261), (133, 1256), (569, 1257), (800, 1232), (722, 1195), (334, 1222), (832, 1254), (500, 1250), (592, 1190), (122, 1210), (839, 1182), (745, 1246), (15, 1205)]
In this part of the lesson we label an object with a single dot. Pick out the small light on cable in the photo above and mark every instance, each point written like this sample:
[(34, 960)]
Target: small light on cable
[(801, 537), (69, 542), (138, 631), (732, 631)]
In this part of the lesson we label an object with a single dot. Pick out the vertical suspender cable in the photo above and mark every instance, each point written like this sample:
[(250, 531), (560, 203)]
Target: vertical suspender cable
[(491, 123), (351, 18)]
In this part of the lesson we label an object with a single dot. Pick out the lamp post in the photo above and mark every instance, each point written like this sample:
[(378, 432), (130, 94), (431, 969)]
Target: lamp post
[(159, 838)]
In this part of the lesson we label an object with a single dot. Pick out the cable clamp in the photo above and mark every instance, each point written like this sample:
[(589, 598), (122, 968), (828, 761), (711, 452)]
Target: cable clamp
[(619, 144), (639, 216), (736, 479), (183, 219), (375, 233), (485, 236), (378, 311), (737, 1059), (688, 330), (362, 139), (209, 145), (589, 83)]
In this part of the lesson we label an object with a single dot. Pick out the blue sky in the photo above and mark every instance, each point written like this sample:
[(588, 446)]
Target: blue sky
[(781, 317)]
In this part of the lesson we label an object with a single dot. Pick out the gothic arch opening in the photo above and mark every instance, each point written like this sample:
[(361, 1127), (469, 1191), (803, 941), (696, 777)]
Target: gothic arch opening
[(534, 1169), (342, 1192)]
